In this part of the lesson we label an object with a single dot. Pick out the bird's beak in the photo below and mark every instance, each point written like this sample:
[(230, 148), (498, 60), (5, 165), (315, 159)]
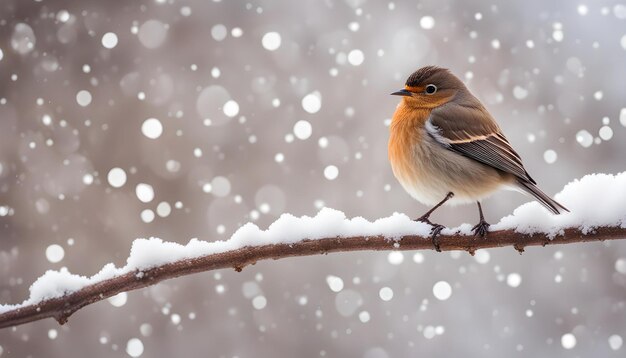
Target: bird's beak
[(402, 92)]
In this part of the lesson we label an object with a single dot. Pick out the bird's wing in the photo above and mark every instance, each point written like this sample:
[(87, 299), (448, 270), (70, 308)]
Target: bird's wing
[(472, 132)]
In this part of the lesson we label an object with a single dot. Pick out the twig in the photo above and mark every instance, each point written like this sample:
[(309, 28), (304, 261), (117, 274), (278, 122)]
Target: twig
[(62, 308)]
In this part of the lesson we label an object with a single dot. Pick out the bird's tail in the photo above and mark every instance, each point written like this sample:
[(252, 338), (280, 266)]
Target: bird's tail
[(541, 197)]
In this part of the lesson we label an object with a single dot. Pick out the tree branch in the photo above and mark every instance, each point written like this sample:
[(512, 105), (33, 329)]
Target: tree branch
[(62, 307)]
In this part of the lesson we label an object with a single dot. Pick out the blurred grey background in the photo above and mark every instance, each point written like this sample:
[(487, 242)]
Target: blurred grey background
[(265, 107)]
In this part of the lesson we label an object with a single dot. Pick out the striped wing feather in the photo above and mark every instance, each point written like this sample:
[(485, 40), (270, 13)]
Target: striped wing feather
[(472, 132)]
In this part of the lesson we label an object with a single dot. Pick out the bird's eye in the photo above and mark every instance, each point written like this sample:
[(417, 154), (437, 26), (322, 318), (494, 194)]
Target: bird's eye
[(430, 89)]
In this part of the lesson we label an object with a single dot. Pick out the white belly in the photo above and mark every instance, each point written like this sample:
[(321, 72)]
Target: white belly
[(430, 171)]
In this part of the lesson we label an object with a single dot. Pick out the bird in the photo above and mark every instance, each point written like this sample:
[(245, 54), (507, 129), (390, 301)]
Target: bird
[(446, 148)]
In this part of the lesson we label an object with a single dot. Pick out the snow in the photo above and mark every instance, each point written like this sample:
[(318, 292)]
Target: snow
[(23, 39), (312, 102), (53, 334), (331, 172), (514, 279), (356, 57), (529, 218), (442, 290), (118, 300), (152, 128), (219, 32), (584, 138), (83, 98), (615, 342), (55, 253), (144, 192), (152, 34), (427, 22), (579, 197), (134, 347), (385, 293), (606, 133), (259, 302), (335, 283), (271, 41), (568, 341), (164, 209), (302, 129), (109, 40), (147, 216), (220, 186), (231, 108), (116, 177)]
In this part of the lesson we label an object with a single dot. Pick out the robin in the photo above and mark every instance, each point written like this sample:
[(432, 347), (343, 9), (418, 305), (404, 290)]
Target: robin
[(445, 147)]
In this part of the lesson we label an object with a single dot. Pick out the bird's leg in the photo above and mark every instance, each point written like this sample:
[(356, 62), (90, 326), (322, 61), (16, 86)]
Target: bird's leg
[(424, 218), (436, 227), (482, 227)]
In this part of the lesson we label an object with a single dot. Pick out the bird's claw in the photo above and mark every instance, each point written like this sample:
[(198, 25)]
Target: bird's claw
[(481, 228), (424, 219), (434, 231)]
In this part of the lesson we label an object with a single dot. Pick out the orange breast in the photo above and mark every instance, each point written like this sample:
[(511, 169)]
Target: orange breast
[(406, 131)]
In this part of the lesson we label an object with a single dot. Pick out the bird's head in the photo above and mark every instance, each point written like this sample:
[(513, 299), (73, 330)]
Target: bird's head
[(430, 87)]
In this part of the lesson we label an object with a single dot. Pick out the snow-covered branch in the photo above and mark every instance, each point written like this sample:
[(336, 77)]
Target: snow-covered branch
[(59, 294)]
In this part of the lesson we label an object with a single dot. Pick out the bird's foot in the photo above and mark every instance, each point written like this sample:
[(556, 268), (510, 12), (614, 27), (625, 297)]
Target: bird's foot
[(481, 228), (434, 231), (424, 219)]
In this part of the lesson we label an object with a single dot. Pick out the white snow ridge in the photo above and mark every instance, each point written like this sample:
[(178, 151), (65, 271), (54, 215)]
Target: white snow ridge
[(595, 200)]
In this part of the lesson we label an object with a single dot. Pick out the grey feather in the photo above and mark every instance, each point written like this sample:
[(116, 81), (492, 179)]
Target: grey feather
[(541, 197)]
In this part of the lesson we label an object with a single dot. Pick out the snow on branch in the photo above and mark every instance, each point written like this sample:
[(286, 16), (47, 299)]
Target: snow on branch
[(598, 212)]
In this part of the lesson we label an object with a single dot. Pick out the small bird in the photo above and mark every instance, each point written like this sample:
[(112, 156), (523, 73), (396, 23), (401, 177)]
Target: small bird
[(445, 147)]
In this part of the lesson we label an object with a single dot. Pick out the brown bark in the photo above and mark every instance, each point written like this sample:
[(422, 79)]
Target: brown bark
[(62, 307)]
